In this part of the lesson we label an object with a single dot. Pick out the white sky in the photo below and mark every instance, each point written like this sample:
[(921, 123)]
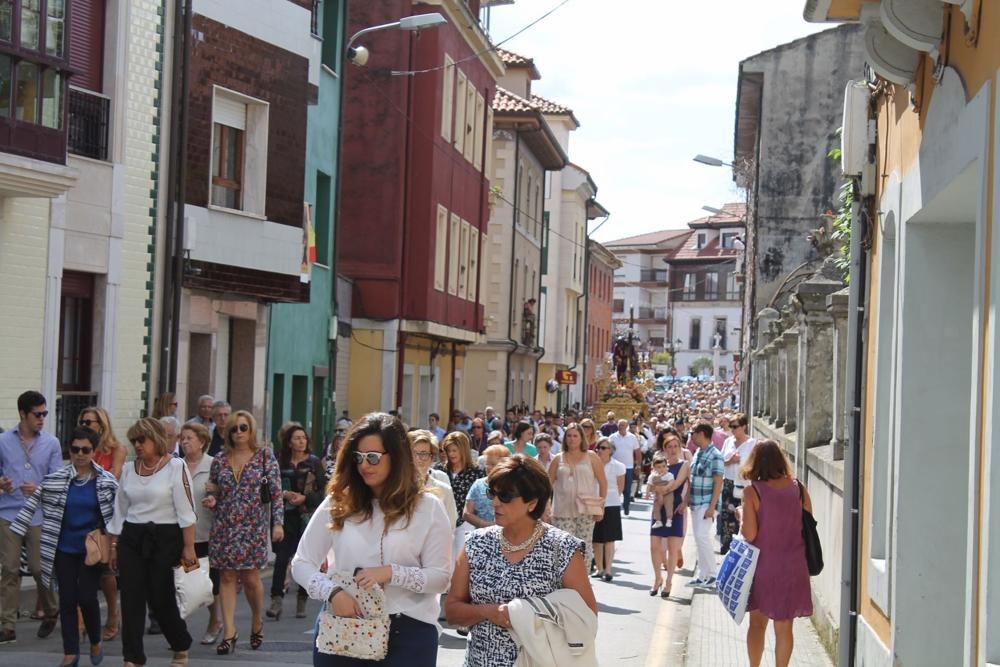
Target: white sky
[(653, 83)]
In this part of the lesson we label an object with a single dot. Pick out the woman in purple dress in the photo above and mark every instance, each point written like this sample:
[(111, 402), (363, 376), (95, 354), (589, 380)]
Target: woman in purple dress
[(772, 521)]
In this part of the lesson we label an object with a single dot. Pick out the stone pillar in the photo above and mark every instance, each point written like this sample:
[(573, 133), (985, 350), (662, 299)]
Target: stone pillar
[(836, 305), (763, 370), (816, 362), (778, 383), (791, 379)]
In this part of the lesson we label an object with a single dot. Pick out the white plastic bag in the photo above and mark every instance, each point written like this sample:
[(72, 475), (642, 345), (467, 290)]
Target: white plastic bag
[(735, 577), (194, 588)]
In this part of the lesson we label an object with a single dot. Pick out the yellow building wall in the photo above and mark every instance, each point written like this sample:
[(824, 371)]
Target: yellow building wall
[(24, 250), (899, 138), (365, 379)]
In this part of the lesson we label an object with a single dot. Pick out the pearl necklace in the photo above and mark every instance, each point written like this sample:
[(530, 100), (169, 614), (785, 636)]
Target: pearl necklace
[(82, 481), (506, 547)]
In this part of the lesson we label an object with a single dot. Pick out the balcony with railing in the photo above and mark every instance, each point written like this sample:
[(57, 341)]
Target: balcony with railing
[(89, 118), (653, 276), (648, 313)]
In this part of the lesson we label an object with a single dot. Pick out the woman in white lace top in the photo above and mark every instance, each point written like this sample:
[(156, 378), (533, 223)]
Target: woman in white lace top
[(378, 523)]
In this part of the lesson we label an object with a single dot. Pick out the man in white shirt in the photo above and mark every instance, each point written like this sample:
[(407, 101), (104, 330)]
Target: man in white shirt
[(628, 451)]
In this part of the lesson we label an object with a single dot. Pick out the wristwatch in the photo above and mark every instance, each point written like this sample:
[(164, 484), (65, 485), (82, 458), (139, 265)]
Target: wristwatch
[(333, 593)]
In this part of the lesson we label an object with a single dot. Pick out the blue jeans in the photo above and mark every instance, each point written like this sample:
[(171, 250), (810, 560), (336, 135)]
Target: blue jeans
[(627, 499), (412, 643)]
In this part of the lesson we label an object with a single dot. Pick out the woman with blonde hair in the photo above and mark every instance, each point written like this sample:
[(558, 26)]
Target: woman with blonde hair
[(152, 530), (244, 489), (462, 470), (425, 452), (110, 455), (579, 488), (587, 424), (379, 524), (165, 405)]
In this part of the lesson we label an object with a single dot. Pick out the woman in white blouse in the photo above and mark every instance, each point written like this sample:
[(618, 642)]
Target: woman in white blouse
[(379, 523), (151, 532)]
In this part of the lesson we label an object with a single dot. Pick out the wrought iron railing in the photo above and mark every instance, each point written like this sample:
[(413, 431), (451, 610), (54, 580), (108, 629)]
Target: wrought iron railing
[(89, 117)]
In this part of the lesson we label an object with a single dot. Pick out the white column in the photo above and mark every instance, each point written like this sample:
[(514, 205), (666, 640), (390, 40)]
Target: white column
[(53, 298)]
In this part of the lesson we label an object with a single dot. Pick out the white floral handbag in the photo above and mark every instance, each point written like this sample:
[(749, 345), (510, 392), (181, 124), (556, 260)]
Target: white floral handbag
[(365, 638)]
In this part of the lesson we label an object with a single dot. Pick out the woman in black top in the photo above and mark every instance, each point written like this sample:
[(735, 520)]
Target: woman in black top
[(303, 484)]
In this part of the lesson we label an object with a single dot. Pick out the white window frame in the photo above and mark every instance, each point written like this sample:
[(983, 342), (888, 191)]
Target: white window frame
[(470, 121), (483, 245), (458, 135), (448, 98), (473, 264), (253, 187), (488, 132), (441, 248), (477, 154), (463, 262), (454, 238)]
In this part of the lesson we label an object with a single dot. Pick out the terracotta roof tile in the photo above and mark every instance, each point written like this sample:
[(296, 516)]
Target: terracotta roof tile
[(507, 102), (547, 106), (732, 213), (511, 59), (652, 238)]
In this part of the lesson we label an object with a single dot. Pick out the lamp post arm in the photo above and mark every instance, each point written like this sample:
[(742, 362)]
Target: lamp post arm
[(366, 31)]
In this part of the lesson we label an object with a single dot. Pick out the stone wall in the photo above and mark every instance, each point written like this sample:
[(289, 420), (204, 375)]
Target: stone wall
[(797, 400)]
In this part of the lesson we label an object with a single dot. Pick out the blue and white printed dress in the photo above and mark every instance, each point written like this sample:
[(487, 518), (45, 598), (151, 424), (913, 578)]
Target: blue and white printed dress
[(495, 580)]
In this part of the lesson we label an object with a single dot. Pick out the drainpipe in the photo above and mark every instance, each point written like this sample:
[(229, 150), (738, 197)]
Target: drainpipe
[(853, 471), (177, 189), (513, 238)]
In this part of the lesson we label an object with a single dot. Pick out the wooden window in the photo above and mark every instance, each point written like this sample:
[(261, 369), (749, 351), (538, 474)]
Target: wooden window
[(477, 155), (488, 131), (227, 166), (86, 44), (482, 267), (448, 98), (459, 133), (711, 286), (454, 248), (440, 248), (76, 330), (694, 340)]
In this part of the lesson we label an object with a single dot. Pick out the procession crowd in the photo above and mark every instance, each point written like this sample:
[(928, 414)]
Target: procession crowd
[(484, 521)]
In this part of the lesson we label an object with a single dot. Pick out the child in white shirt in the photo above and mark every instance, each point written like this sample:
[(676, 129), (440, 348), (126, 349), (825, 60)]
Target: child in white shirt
[(663, 501)]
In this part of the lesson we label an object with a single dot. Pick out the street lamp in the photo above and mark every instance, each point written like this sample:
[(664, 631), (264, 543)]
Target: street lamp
[(359, 55), (711, 161)]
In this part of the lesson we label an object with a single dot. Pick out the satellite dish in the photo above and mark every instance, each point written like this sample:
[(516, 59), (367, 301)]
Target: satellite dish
[(552, 386)]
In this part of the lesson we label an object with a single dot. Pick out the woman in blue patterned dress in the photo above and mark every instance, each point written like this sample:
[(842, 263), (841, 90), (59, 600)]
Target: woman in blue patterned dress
[(240, 536), (519, 557)]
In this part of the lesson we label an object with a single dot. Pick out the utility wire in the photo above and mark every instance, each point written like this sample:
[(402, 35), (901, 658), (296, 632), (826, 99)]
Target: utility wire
[(492, 48)]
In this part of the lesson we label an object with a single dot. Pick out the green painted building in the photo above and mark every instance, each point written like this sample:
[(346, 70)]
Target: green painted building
[(300, 351)]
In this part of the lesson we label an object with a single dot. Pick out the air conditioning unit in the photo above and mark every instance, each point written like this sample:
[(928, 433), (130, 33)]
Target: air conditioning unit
[(854, 129)]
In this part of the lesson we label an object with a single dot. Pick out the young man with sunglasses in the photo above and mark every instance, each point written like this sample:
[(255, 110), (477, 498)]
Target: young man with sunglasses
[(27, 454)]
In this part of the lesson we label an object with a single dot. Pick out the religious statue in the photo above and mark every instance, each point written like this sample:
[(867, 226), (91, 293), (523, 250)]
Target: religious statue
[(625, 358)]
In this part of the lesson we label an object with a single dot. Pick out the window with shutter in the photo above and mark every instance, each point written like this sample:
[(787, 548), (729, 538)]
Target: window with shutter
[(86, 44)]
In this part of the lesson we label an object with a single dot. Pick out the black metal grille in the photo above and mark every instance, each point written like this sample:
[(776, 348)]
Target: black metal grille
[(88, 124)]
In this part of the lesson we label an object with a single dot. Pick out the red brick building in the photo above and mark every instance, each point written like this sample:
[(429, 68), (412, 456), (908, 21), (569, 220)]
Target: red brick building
[(600, 290), (413, 205)]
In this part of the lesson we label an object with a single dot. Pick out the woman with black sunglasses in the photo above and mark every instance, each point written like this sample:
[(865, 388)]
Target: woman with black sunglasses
[(74, 500), (380, 525), (519, 557)]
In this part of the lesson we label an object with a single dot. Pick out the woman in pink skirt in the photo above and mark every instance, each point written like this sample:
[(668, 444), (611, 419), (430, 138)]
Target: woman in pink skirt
[(772, 521)]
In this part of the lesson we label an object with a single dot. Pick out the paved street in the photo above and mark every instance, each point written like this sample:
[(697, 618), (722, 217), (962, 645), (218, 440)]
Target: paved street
[(636, 630)]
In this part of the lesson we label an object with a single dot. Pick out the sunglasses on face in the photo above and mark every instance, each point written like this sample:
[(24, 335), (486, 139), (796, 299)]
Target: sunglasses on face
[(80, 450), (141, 440), (601, 447), (242, 428), (41, 414), (503, 496), (371, 458), (87, 422)]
